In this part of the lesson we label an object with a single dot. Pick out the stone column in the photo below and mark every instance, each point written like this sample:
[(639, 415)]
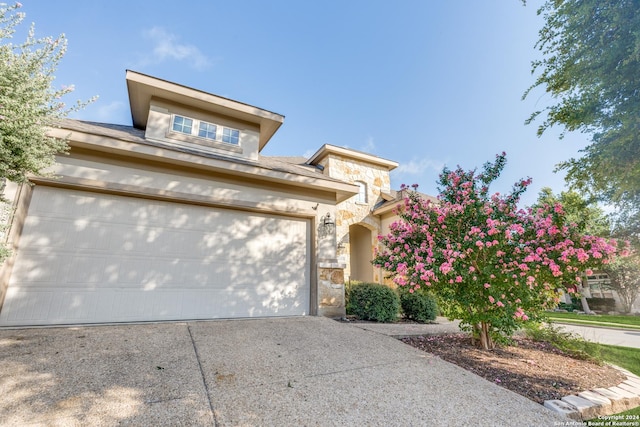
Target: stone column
[(331, 298)]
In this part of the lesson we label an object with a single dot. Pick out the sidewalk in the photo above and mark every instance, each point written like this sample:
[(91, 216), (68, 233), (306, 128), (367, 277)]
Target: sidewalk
[(402, 329), (604, 335)]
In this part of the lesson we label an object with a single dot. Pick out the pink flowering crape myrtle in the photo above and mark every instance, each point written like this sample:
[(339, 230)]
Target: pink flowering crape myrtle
[(491, 264)]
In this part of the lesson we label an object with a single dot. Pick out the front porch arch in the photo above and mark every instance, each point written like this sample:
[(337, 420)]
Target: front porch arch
[(361, 253)]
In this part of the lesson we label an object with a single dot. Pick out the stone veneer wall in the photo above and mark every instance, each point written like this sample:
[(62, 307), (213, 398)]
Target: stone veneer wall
[(331, 298), (351, 212)]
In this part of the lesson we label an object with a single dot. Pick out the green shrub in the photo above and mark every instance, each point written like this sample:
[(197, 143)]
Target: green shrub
[(418, 306), (571, 344), (372, 301), (347, 290), (575, 305), (602, 304)]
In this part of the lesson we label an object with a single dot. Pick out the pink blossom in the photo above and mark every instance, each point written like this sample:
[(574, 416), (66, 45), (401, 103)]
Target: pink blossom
[(400, 280), (530, 247), (445, 268)]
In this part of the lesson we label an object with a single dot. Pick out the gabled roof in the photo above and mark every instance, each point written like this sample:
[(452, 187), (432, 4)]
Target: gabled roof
[(395, 198), (143, 87), (327, 149)]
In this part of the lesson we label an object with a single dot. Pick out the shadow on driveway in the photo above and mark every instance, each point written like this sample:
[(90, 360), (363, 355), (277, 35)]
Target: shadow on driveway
[(293, 371)]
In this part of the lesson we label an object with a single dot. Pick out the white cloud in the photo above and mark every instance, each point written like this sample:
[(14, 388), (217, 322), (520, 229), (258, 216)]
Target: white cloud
[(168, 48), (419, 166), (369, 146), (109, 112)]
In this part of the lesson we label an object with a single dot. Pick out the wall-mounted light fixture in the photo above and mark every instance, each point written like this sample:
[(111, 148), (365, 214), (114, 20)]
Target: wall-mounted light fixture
[(327, 225)]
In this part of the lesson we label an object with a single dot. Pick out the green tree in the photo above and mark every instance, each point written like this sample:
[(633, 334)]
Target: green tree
[(624, 275), (29, 105), (591, 68), (586, 214), (588, 217)]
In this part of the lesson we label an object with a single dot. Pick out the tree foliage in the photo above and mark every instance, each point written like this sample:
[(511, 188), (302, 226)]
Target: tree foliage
[(587, 217), (624, 275), (29, 105), (491, 264), (591, 67), (586, 214)]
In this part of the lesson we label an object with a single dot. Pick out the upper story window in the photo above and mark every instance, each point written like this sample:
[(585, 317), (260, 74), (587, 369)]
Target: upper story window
[(361, 197), (205, 130), (182, 124), (230, 135)]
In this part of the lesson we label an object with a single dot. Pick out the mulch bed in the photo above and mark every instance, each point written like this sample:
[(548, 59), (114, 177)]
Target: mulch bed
[(532, 369)]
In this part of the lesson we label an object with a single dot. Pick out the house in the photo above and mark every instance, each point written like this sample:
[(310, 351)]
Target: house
[(181, 217)]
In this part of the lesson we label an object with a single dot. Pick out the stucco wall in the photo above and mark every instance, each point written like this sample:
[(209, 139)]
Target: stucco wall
[(158, 129), (386, 220)]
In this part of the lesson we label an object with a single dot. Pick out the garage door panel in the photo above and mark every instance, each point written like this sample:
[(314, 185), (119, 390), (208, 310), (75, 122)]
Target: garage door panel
[(64, 234), (22, 307), (38, 267), (86, 258)]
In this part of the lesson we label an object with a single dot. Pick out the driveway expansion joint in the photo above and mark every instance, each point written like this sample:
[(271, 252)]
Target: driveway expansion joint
[(204, 380)]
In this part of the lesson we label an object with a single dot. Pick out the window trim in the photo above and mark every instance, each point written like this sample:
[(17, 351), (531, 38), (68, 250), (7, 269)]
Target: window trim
[(182, 125), (207, 130), (193, 140), (362, 197), (195, 131)]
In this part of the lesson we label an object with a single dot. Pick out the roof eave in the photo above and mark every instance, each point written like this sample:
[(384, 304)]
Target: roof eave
[(142, 88), (131, 149), (327, 149)]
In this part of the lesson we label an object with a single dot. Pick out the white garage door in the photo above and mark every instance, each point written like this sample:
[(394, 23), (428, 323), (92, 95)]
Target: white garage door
[(89, 258)]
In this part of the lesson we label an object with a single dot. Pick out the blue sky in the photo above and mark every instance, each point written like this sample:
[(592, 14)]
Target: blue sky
[(423, 83)]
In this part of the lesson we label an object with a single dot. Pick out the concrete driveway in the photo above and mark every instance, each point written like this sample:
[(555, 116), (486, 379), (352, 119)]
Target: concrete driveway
[(308, 371)]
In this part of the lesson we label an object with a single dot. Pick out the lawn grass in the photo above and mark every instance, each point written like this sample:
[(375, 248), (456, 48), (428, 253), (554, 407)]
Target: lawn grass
[(624, 357), (617, 321)]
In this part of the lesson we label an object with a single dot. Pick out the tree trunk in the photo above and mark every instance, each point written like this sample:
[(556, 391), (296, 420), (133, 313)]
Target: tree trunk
[(486, 342), (583, 299)]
